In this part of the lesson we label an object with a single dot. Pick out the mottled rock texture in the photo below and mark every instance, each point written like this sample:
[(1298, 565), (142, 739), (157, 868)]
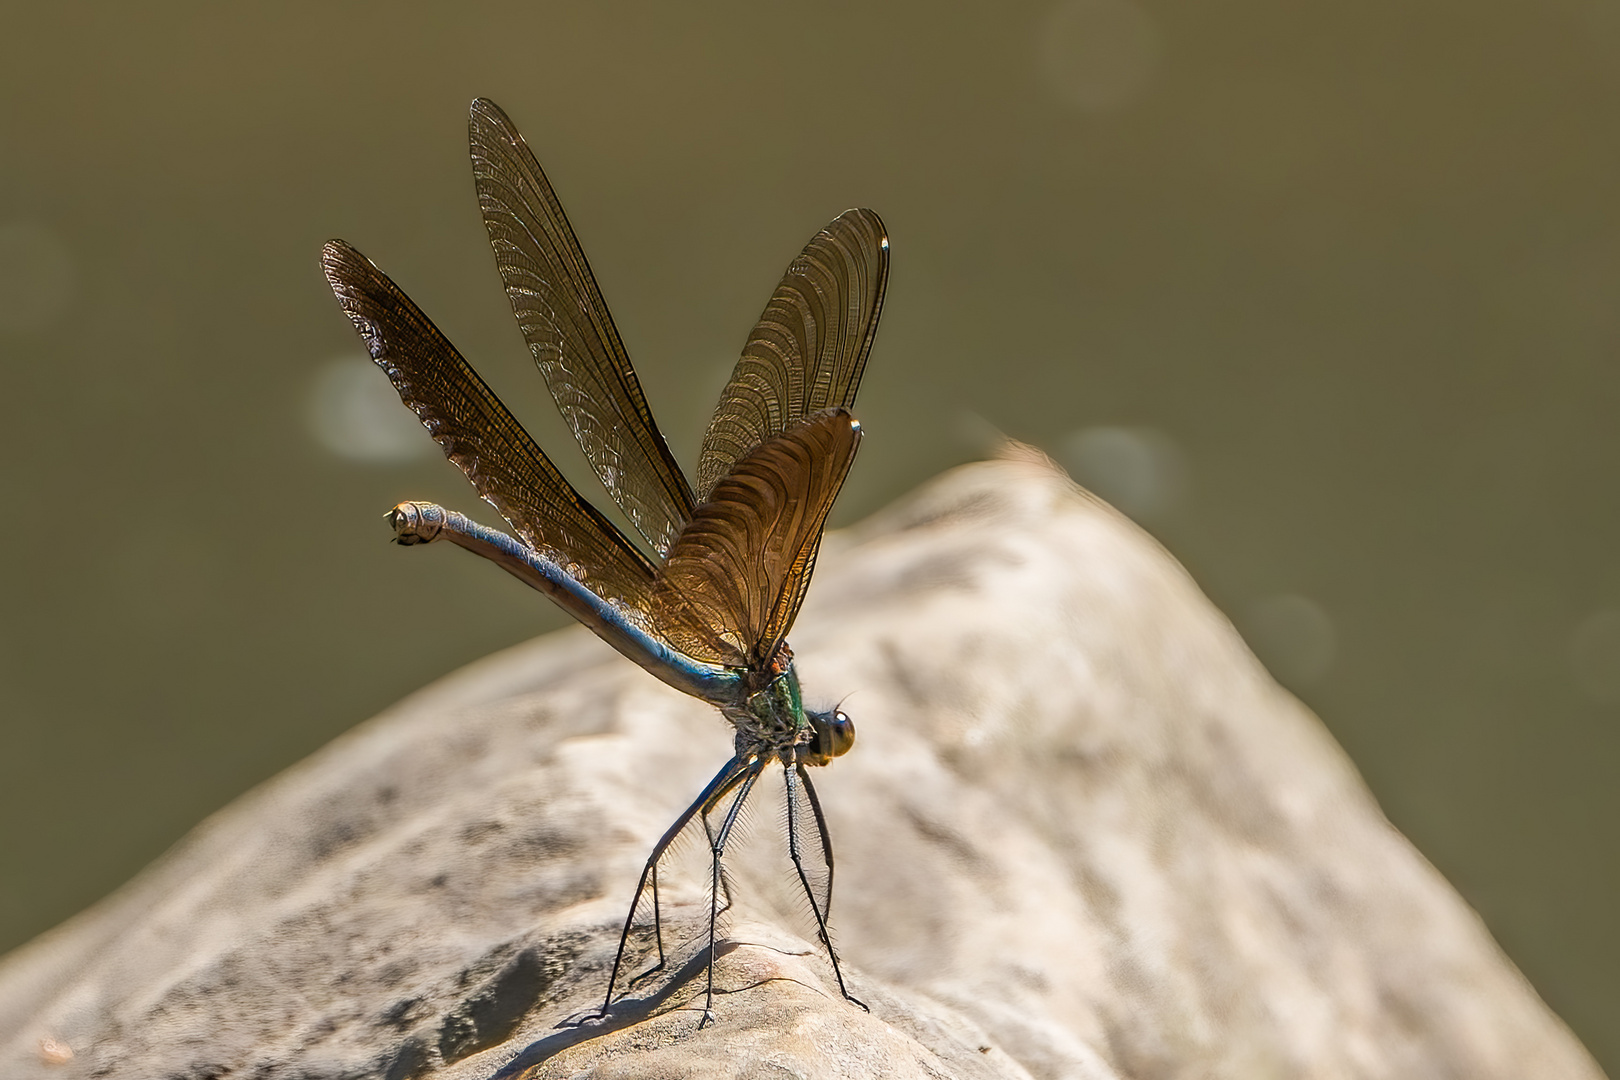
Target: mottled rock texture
[(1082, 834)]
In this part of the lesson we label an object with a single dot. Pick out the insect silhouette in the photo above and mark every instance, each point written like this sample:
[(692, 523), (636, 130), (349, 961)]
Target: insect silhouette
[(709, 608)]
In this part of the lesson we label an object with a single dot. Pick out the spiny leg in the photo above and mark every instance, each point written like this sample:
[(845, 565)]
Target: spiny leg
[(821, 830), (793, 777), (658, 929), (717, 851), (727, 778), (658, 924), (708, 829)]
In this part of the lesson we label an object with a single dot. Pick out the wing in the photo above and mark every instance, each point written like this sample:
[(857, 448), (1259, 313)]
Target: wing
[(483, 439), (733, 581), (809, 348), (570, 333)]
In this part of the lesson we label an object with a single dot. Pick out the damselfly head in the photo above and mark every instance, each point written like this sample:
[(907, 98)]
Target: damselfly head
[(834, 735)]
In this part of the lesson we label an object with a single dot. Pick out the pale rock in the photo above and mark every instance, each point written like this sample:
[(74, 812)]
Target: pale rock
[(1082, 834)]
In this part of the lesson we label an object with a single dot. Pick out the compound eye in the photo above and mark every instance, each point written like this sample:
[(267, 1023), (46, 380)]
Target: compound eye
[(841, 730)]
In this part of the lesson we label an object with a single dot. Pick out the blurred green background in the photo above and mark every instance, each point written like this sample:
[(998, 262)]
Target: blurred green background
[(1326, 295)]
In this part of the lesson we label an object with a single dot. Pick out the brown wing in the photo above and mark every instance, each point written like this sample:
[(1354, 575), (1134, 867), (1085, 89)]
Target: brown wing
[(733, 582), (810, 346), (483, 439), (570, 333)]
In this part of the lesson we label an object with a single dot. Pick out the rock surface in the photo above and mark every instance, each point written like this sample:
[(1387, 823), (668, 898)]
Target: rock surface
[(1082, 834)]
